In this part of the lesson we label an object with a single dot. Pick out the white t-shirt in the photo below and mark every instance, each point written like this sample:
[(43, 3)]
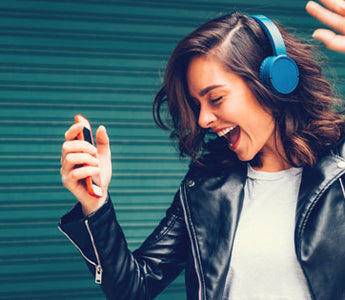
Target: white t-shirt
[(264, 264)]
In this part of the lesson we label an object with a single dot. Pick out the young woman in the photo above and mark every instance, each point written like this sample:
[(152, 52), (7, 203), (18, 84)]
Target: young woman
[(261, 212)]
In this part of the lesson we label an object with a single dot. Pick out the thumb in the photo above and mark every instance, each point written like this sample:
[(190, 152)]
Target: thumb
[(102, 139)]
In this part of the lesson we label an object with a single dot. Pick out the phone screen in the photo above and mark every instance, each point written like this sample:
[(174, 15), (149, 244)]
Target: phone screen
[(87, 135)]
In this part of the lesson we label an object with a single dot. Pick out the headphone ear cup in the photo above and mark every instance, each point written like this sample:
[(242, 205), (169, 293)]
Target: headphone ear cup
[(264, 73), (280, 74)]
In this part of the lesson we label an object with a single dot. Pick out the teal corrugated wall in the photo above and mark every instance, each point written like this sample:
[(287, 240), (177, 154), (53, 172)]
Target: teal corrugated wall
[(103, 59)]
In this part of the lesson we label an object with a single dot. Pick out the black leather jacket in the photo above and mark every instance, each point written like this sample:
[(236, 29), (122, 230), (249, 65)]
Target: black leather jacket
[(198, 231)]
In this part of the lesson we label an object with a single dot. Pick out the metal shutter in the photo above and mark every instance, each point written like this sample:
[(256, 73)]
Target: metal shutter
[(102, 59)]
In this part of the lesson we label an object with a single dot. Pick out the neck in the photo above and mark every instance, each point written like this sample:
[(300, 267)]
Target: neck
[(272, 164), (273, 157)]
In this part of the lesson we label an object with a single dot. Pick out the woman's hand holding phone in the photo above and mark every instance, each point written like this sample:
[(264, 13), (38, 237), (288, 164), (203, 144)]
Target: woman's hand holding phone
[(80, 160)]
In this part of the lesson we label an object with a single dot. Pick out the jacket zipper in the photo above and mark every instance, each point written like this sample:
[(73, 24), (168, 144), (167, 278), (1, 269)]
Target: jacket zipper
[(98, 267), (342, 187), (99, 270), (194, 250)]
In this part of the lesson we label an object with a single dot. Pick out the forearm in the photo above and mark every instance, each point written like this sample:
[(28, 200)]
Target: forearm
[(100, 240), (140, 275)]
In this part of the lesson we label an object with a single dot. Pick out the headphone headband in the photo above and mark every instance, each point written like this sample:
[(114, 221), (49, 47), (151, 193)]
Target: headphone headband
[(271, 30)]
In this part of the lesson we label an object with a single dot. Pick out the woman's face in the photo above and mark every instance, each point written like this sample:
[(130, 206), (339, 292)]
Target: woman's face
[(229, 108)]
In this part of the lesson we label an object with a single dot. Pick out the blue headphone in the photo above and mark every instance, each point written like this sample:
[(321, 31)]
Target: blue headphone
[(278, 72)]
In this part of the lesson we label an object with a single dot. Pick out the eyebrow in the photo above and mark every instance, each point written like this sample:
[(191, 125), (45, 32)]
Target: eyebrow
[(209, 88)]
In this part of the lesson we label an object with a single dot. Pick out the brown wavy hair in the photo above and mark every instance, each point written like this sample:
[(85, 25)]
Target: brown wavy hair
[(307, 119)]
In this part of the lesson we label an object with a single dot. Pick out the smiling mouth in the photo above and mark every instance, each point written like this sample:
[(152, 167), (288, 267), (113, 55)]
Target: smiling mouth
[(225, 131), (232, 135)]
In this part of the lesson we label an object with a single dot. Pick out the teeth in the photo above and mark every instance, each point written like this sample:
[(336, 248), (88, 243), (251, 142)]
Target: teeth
[(225, 131)]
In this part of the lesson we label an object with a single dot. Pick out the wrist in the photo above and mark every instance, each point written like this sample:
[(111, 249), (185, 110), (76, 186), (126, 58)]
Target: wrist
[(94, 205)]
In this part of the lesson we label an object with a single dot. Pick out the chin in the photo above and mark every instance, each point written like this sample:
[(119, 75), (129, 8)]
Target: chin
[(245, 156), (254, 159)]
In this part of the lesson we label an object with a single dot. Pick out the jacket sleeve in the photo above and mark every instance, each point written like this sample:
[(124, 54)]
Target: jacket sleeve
[(123, 274)]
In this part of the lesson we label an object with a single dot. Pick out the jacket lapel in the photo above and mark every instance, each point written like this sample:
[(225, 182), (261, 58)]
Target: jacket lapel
[(215, 204)]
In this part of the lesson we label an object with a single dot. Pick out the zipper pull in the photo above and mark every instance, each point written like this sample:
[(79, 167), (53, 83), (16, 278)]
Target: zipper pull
[(98, 276)]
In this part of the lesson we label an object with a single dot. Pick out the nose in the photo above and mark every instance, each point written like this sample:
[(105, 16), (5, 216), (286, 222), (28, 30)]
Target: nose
[(206, 117)]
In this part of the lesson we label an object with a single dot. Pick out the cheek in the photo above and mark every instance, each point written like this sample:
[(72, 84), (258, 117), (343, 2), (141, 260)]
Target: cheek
[(259, 127)]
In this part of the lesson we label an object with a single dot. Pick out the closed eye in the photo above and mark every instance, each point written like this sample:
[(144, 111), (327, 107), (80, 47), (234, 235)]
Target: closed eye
[(214, 101)]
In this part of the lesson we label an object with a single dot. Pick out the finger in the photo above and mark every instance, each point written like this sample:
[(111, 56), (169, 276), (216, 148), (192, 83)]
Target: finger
[(83, 172), (102, 140), (76, 146), (74, 159), (80, 174), (326, 16), (337, 6), (330, 39), (72, 132)]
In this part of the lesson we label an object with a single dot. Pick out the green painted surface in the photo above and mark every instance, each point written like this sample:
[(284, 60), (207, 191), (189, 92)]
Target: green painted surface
[(103, 59)]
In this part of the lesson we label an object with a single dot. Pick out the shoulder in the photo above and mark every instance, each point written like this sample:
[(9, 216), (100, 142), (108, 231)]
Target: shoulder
[(218, 163), (217, 158), (211, 165), (210, 173), (339, 147)]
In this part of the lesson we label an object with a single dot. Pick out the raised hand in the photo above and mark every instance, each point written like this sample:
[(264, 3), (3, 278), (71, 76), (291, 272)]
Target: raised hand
[(331, 14), (75, 154)]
